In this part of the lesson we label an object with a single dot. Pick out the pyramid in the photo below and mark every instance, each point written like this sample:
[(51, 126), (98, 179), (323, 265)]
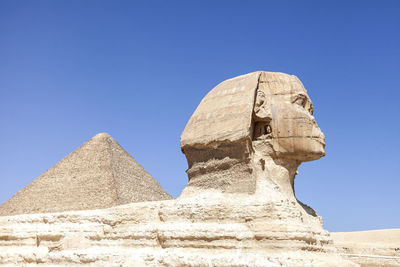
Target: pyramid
[(99, 174)]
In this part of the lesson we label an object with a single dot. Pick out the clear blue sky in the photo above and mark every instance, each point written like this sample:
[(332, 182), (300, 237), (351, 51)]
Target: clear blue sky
[(138, 70)]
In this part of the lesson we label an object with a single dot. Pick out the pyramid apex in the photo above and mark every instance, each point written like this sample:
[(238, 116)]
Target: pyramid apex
[(102, 136)]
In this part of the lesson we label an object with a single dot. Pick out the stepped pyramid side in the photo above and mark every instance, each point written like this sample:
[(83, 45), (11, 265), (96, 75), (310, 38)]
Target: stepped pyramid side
[(133, 182), (99, 174)]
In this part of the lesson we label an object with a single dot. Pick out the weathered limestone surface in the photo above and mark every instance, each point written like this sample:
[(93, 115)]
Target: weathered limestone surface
[(99, 174), (243, 145), (370, 248), (204, 231)]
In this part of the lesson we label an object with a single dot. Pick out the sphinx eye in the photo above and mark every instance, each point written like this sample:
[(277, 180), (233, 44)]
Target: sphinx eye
[(311, 109), (300, 100)]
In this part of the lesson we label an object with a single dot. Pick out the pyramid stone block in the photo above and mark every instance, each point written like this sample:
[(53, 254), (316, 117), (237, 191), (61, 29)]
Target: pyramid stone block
[(99, 174)]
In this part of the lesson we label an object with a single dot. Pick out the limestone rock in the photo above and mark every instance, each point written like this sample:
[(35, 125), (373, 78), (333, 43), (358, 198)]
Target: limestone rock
[(99, 174), (208, 232)]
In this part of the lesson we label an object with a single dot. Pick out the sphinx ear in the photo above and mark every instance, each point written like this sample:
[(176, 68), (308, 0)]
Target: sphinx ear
[(262, 110), (262, 117)]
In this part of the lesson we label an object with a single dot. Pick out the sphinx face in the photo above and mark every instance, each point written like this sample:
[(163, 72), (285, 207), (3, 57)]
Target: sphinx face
[(291, 128)]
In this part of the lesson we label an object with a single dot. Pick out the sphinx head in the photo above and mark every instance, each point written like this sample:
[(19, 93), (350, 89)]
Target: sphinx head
[(251, 118)]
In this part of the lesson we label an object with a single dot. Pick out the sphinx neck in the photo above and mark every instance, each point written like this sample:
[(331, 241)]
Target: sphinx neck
[(276, 171)]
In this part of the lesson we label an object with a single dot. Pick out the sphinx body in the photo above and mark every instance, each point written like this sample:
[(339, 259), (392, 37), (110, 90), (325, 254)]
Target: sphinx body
[(243, 145)]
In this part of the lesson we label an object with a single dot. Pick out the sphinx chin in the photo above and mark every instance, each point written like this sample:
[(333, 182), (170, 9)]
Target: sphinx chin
[(316, 149), (308, 149), (310, 155), (314, 155)]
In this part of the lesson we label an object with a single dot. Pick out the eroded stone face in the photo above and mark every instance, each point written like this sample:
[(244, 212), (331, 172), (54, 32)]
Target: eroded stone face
[(283, 117)]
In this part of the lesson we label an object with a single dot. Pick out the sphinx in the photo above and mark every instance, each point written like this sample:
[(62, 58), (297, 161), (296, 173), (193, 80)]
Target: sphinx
[(243, 145)]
